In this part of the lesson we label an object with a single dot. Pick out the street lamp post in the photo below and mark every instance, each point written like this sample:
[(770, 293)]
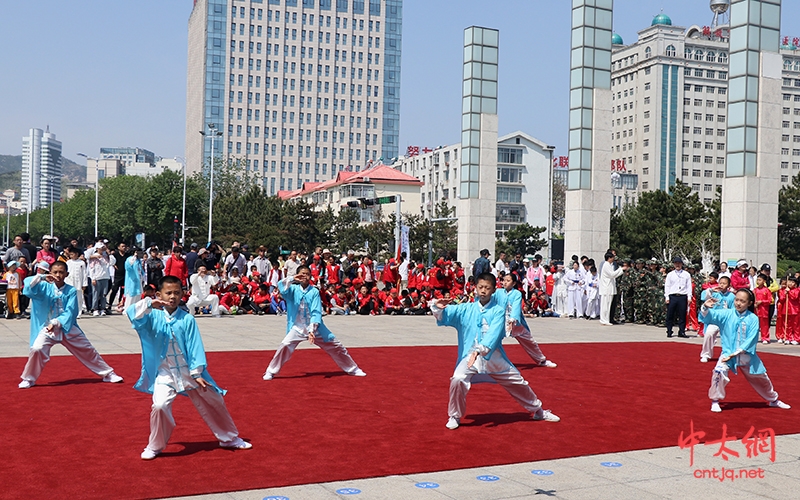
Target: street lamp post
[(214, 133), (96, 187), (50, 180), (183, 214)]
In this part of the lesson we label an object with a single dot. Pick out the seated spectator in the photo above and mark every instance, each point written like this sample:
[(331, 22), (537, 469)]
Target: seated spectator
[(339, 303), (260, 300), (277, 304)]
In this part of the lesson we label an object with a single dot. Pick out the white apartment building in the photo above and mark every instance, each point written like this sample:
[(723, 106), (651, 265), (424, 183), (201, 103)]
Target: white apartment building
[(524, 181), (299, 89), (41, 169), (670, 110)]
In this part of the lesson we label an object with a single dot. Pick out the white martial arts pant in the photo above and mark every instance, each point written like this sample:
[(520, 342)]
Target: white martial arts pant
[(209, 404), (503, 372), (525, 339), (75, 342), (719, 379), (575, 302), (605, 309), (334, 348), (711, 333), (211, 300)]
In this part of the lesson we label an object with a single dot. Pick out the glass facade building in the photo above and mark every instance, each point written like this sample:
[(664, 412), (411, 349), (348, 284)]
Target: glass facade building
[(299, 89)]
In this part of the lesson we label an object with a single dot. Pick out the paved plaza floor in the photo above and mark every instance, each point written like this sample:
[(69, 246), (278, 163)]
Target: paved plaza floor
[(642, 474)]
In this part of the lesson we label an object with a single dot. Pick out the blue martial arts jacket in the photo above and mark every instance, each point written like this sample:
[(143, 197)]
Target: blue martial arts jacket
[(133, 276), (156, 328), (467, 319), (295, 294), (513, 305), (737, 332), (724, 300), (48, 303)]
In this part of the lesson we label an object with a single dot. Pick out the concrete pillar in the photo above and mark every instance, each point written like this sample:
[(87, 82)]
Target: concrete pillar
[(478, 176), (752, 179), (588, 203)]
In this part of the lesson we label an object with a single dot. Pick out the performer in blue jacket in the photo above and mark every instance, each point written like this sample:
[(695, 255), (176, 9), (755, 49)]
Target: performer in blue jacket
[(174, 362), (304, 322), (54, 320), (481, 328), (134, 274), (516, 326), (739, 332)]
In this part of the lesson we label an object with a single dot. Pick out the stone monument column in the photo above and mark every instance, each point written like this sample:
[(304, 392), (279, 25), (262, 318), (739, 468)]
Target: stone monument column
[(752, 174), (478, 176), (588, 203)]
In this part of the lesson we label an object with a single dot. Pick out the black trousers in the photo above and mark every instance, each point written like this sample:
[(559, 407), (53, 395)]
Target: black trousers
[(677, 306), (614, 306)]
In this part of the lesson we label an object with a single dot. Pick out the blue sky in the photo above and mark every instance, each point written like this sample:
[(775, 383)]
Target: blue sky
[(106, 74)]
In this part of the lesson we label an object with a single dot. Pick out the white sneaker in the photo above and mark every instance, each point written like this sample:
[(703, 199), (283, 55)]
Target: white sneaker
[(780, 341), (359, 373), (546, 415), (715, 407), (794, 342), (236, 444), (548, 364), (149, 454), (268, 376), (452, 423), (112, 378), (703, 359), (765, 341), (26, 384), (97, 313), (779, 404), (103, 312)]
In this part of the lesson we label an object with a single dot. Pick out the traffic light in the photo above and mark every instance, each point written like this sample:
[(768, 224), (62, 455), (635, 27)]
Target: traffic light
[(368, 202), (353, 204)]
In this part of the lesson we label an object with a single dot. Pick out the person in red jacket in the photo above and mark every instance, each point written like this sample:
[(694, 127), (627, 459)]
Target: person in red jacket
[(365, 303), (176, 265), (763, 301), (780, 321), (332, 271), (259, 301), (231, 300), (740, 277), (393, 304), (792, 311)]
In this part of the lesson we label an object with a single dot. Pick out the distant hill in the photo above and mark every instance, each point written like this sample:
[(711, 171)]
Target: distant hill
[(11, 172)]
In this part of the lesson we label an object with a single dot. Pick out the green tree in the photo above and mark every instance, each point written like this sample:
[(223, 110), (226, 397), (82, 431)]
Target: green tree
[(523, 239), (663, 225), (789, 220)]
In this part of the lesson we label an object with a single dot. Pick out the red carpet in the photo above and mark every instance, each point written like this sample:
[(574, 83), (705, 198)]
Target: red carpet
[(74, 437)]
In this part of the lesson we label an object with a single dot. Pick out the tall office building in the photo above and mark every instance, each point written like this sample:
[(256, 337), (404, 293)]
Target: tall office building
[(299, 89), (41, 169), (670, 100)]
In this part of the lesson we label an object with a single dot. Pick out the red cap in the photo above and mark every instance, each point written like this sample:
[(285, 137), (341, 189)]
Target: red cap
[(420, 266)]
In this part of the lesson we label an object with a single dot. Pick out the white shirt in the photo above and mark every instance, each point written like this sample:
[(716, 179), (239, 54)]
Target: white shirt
[(608, 279), (500, 266), (403, 270), (77, 276), (201, 285), (262, 265), (678, 282), (290, 268)]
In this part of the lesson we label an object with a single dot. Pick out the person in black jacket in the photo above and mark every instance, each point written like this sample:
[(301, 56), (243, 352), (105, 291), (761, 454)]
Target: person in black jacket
[(482, 264)]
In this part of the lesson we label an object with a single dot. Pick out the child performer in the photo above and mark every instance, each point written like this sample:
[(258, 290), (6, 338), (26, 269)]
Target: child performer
[(134, 272), (304, 322), (739, 331), (724, 300), (763, 300), (12, 289), (516, 326), (792, 310), (480, 327), (174, 362), (54, 316), (780, 321), (77, 276)]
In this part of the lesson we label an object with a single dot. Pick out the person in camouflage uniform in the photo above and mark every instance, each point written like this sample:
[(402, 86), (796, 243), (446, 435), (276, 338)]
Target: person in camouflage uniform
[(625, 286), (658, 305), (641, 284)]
